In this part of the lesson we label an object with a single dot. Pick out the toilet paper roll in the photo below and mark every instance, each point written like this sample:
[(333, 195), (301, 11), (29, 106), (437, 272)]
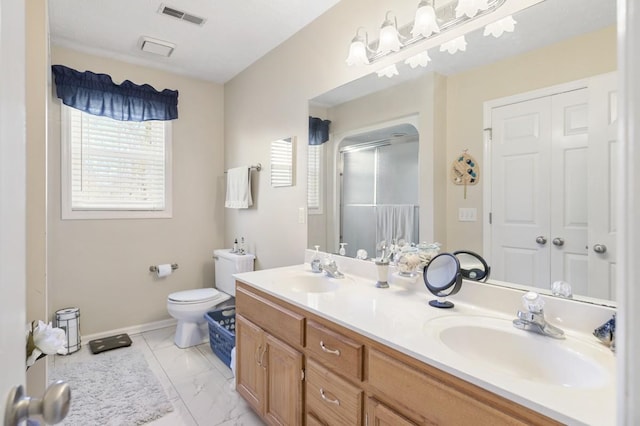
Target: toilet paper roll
[(164, 270)]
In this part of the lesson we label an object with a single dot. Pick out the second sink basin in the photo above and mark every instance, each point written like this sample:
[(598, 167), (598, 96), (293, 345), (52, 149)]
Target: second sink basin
[(499, 346)]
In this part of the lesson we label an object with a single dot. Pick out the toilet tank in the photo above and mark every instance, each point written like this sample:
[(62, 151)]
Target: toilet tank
[(227, 264)]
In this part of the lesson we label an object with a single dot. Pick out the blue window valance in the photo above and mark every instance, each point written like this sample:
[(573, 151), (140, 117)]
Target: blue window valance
[(318, 131), (97, 94)]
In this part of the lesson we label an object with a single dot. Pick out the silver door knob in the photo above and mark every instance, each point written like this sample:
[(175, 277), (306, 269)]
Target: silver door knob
[(600, 248), (541, 240), (53, 407), (558, 241)]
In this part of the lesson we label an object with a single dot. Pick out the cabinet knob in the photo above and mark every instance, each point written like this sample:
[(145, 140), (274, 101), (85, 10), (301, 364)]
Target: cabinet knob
[(335, 352)]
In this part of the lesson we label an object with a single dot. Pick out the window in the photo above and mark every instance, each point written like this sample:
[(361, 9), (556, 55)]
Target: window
[(114, 169), (314, 179)]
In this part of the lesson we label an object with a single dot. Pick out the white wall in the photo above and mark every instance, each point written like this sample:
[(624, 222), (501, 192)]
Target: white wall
[(102, 266)]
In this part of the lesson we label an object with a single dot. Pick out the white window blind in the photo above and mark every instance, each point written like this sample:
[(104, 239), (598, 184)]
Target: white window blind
[(282, 162), (314, 178), (115, 165)]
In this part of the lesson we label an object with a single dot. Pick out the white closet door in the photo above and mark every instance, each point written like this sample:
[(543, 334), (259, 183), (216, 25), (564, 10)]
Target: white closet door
[(520, 185), (569, 209), (603, 157)]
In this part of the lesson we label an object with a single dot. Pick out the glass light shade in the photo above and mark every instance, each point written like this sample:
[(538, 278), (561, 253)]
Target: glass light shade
[(501, 26), (419, 60), (389, 71), (389, 39), (470, 8), (425, 23), (455, 45), (357, 53)]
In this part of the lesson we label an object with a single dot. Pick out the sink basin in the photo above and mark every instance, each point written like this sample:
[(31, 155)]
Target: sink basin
[(504, 349)]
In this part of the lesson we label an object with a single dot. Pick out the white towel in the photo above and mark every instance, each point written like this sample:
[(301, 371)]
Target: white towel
[(395, 222), (239, 188)]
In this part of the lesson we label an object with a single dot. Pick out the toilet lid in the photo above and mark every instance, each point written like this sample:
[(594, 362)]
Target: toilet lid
[(195, 295)]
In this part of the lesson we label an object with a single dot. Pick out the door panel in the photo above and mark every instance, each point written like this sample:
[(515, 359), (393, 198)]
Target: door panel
[(602, 185), (520, 191), (569, 171), (284, 383), (250, 376)]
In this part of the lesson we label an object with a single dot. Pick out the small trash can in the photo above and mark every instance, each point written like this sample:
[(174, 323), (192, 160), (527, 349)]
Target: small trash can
[(68, 319)]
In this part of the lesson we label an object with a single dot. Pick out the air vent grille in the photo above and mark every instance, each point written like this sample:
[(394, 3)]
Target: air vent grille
[(184, 16)]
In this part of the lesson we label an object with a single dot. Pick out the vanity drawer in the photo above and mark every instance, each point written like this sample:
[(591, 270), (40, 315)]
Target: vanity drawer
[(334, 350), (442, 399), (331, 399), (278, 321)]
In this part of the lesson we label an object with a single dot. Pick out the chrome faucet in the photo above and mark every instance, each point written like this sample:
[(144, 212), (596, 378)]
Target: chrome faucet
[(533, 318), (330, 268), (606, 333)]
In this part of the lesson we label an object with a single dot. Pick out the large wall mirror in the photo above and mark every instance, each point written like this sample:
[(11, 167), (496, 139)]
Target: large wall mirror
[(443, 108)]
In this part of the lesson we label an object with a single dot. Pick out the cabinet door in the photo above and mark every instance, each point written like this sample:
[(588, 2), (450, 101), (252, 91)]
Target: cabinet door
[(283, 402), (250, 374), (380, 415)]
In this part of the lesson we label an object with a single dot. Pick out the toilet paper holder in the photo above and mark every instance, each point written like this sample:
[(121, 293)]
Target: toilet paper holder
[(154, 268)]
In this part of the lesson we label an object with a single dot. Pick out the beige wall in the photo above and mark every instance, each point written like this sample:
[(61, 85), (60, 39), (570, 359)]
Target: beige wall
[(102, 266), (573, 59), (36, 104)]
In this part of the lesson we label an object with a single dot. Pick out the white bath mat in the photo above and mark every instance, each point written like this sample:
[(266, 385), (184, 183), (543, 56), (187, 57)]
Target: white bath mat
[(114, 388)]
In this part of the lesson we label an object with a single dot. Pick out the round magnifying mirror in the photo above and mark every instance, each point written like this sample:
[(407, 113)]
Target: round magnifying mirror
[(443, 278), (472, 265)]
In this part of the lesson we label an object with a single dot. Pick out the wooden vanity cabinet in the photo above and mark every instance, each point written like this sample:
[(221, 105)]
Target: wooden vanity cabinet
[(348, 379)]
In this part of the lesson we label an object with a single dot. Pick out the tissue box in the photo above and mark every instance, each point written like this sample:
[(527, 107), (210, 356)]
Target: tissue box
[(222, 332)]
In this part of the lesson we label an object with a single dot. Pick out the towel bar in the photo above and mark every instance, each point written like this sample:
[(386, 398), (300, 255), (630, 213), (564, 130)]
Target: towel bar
[(257, 167)]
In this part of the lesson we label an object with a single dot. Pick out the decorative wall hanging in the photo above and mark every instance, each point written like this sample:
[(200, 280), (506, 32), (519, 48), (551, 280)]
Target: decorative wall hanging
[(465, 171)]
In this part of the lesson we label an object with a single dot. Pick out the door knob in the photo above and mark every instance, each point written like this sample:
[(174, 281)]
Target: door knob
[(53, 406), (600, 248), (541, 240), (558, 241)]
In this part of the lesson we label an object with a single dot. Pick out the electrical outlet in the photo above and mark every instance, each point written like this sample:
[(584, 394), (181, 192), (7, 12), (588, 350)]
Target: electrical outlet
[(469, 214)]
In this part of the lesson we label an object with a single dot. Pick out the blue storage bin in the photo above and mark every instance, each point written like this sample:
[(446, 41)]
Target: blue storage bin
[(222, 332)]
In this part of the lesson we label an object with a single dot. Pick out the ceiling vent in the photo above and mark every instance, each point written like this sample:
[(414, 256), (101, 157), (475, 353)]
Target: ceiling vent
[(184, 16), (157, 47)]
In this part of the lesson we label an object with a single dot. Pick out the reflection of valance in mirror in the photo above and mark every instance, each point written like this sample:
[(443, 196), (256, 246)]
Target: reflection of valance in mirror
[(318, 130), (97, 94)]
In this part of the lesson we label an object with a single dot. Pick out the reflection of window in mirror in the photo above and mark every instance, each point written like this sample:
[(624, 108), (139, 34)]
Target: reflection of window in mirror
[(315, 188), (282, 162)]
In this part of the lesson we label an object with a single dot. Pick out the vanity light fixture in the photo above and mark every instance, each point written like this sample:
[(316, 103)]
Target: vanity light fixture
[(425, 22), (389, 71), (389, 36), (470, 8), (358, 49), (428, 23), (456, 45), (501, 26), (422, 59)]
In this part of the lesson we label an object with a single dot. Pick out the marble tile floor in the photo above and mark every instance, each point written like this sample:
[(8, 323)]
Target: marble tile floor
[(200, 387)]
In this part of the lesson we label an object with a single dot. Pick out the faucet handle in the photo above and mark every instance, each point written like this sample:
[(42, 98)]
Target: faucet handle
[(532, 302)]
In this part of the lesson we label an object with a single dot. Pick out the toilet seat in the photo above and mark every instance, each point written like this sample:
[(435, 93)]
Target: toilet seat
[(199, 295)]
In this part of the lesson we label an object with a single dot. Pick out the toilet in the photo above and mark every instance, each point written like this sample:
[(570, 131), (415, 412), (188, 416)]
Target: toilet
[(190, 306)]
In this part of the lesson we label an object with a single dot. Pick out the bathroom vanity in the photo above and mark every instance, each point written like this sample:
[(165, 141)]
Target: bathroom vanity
[(321, 351)]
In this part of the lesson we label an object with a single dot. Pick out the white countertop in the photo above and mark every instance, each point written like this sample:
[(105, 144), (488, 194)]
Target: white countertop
[(400, 317)]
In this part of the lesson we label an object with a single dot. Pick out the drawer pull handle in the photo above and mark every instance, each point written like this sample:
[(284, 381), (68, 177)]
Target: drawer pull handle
[(329, 400), (256, 355), (335, 352)]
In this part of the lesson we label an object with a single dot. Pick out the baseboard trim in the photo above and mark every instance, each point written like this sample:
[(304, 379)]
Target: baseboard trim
[(136, 329)]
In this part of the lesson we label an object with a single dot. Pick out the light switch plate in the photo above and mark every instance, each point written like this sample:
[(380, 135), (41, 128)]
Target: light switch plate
[(302, 215), (468, 214)]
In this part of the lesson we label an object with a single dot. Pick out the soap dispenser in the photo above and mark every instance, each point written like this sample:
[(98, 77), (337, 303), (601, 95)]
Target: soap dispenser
[(315, 262), (342, 250)]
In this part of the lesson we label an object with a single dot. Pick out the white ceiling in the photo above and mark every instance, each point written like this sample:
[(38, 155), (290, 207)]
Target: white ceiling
[(236, 32)]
